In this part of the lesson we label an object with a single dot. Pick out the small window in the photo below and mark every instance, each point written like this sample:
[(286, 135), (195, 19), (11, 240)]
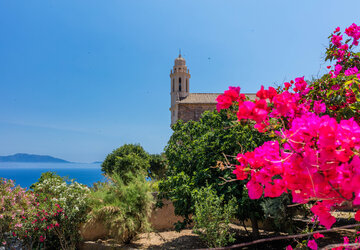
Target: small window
[(180, 84), (173, 86)]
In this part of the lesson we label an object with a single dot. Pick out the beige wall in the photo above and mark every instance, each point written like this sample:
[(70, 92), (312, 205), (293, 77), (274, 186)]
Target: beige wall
[(161, 219)]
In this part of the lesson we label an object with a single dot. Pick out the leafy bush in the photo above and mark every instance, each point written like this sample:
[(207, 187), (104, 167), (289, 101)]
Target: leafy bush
[(280, 214), (193, 152), (127, 158), (212, 217), (68, 200), (48, 217), (14, 204), (123, 207), (158, 165), (132, 157)]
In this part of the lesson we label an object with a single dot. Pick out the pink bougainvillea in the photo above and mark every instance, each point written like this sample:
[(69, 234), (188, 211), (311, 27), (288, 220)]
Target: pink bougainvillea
[(315, 151)]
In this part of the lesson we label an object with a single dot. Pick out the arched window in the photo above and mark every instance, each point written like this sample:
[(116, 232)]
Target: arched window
[(173, 86), (187, 85), (180, 84)]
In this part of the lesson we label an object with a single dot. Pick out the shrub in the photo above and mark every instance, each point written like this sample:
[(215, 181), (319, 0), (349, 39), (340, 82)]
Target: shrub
[(315, 156), (15, 202), (129, 157), (193, 152), (212, 217), (68, 202), (48, 217), (123, 207), (158, 165)]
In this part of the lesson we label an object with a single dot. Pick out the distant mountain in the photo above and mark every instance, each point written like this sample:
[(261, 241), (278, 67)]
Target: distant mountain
[(31, 158), (97, 162)]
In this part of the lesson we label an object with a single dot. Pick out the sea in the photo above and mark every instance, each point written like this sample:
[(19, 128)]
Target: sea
[(25, 174)]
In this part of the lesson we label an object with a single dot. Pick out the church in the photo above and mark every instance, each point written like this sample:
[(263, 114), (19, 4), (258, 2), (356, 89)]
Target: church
[(188, 106)]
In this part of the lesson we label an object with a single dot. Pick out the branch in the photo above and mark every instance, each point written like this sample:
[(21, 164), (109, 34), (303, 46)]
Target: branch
[(226, 180), (347, 246), (283, 237)]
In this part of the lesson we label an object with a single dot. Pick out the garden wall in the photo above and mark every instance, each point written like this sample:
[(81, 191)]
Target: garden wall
[(161, 219)]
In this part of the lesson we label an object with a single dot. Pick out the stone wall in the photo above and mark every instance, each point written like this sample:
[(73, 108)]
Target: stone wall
[(193, 111)]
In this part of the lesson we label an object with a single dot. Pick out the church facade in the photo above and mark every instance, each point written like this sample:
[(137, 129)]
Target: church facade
[(188, 106)]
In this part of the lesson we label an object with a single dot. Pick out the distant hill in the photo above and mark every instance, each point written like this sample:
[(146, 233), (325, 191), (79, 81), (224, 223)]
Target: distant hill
[(97, 162), (31, 158)]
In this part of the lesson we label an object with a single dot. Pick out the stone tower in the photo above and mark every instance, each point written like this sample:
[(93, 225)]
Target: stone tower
[(179, 85)]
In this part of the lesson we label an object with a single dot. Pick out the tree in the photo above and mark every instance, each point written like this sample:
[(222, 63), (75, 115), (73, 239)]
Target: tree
[(158, 163), (127, 158), (193, 152)]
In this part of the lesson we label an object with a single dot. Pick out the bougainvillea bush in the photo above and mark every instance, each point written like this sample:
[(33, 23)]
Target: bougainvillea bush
[(314, 154), (48, 217)]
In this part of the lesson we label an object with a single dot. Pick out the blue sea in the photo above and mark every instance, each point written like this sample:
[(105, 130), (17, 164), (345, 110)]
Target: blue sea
[(25, 174)]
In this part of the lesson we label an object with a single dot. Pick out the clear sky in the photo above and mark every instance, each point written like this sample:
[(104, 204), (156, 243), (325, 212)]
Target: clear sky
[(80, 78)]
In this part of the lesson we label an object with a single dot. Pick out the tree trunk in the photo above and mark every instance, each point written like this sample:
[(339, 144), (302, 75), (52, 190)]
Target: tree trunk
[(255, 226)]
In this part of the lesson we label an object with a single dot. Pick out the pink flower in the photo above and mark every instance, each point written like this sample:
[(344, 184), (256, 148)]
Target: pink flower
[(337, 30), (317, 236), (357, 215), (289, 247), (262, 94), (312, 244), (354, 32), (245, 110), (255, 189), (300, 84), (338, 68), (240, 173), (336, 40), (319, 107), (351, 71), (233, 93), (325, 218), (225, 100), (287, 85)]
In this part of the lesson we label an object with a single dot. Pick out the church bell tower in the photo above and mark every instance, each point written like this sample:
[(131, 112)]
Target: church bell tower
[(179, 85)]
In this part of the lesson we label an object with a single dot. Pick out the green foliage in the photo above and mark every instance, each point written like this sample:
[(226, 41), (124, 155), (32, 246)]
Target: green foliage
[(158, 165), (72, 198), (193, 152), (340, 94), (212, 217), (123, 207), (334, 92), (280, 213), (128, 158)]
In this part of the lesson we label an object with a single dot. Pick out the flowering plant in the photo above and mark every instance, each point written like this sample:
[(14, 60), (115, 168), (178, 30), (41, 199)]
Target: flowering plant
[(316, 146), (14, 203), (47, 217)]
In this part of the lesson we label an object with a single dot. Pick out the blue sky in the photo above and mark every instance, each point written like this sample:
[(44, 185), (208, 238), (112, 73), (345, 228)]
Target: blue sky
[(80, 78)]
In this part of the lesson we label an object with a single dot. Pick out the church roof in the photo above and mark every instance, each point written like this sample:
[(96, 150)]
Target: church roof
[(206, 98), (200, 98)]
